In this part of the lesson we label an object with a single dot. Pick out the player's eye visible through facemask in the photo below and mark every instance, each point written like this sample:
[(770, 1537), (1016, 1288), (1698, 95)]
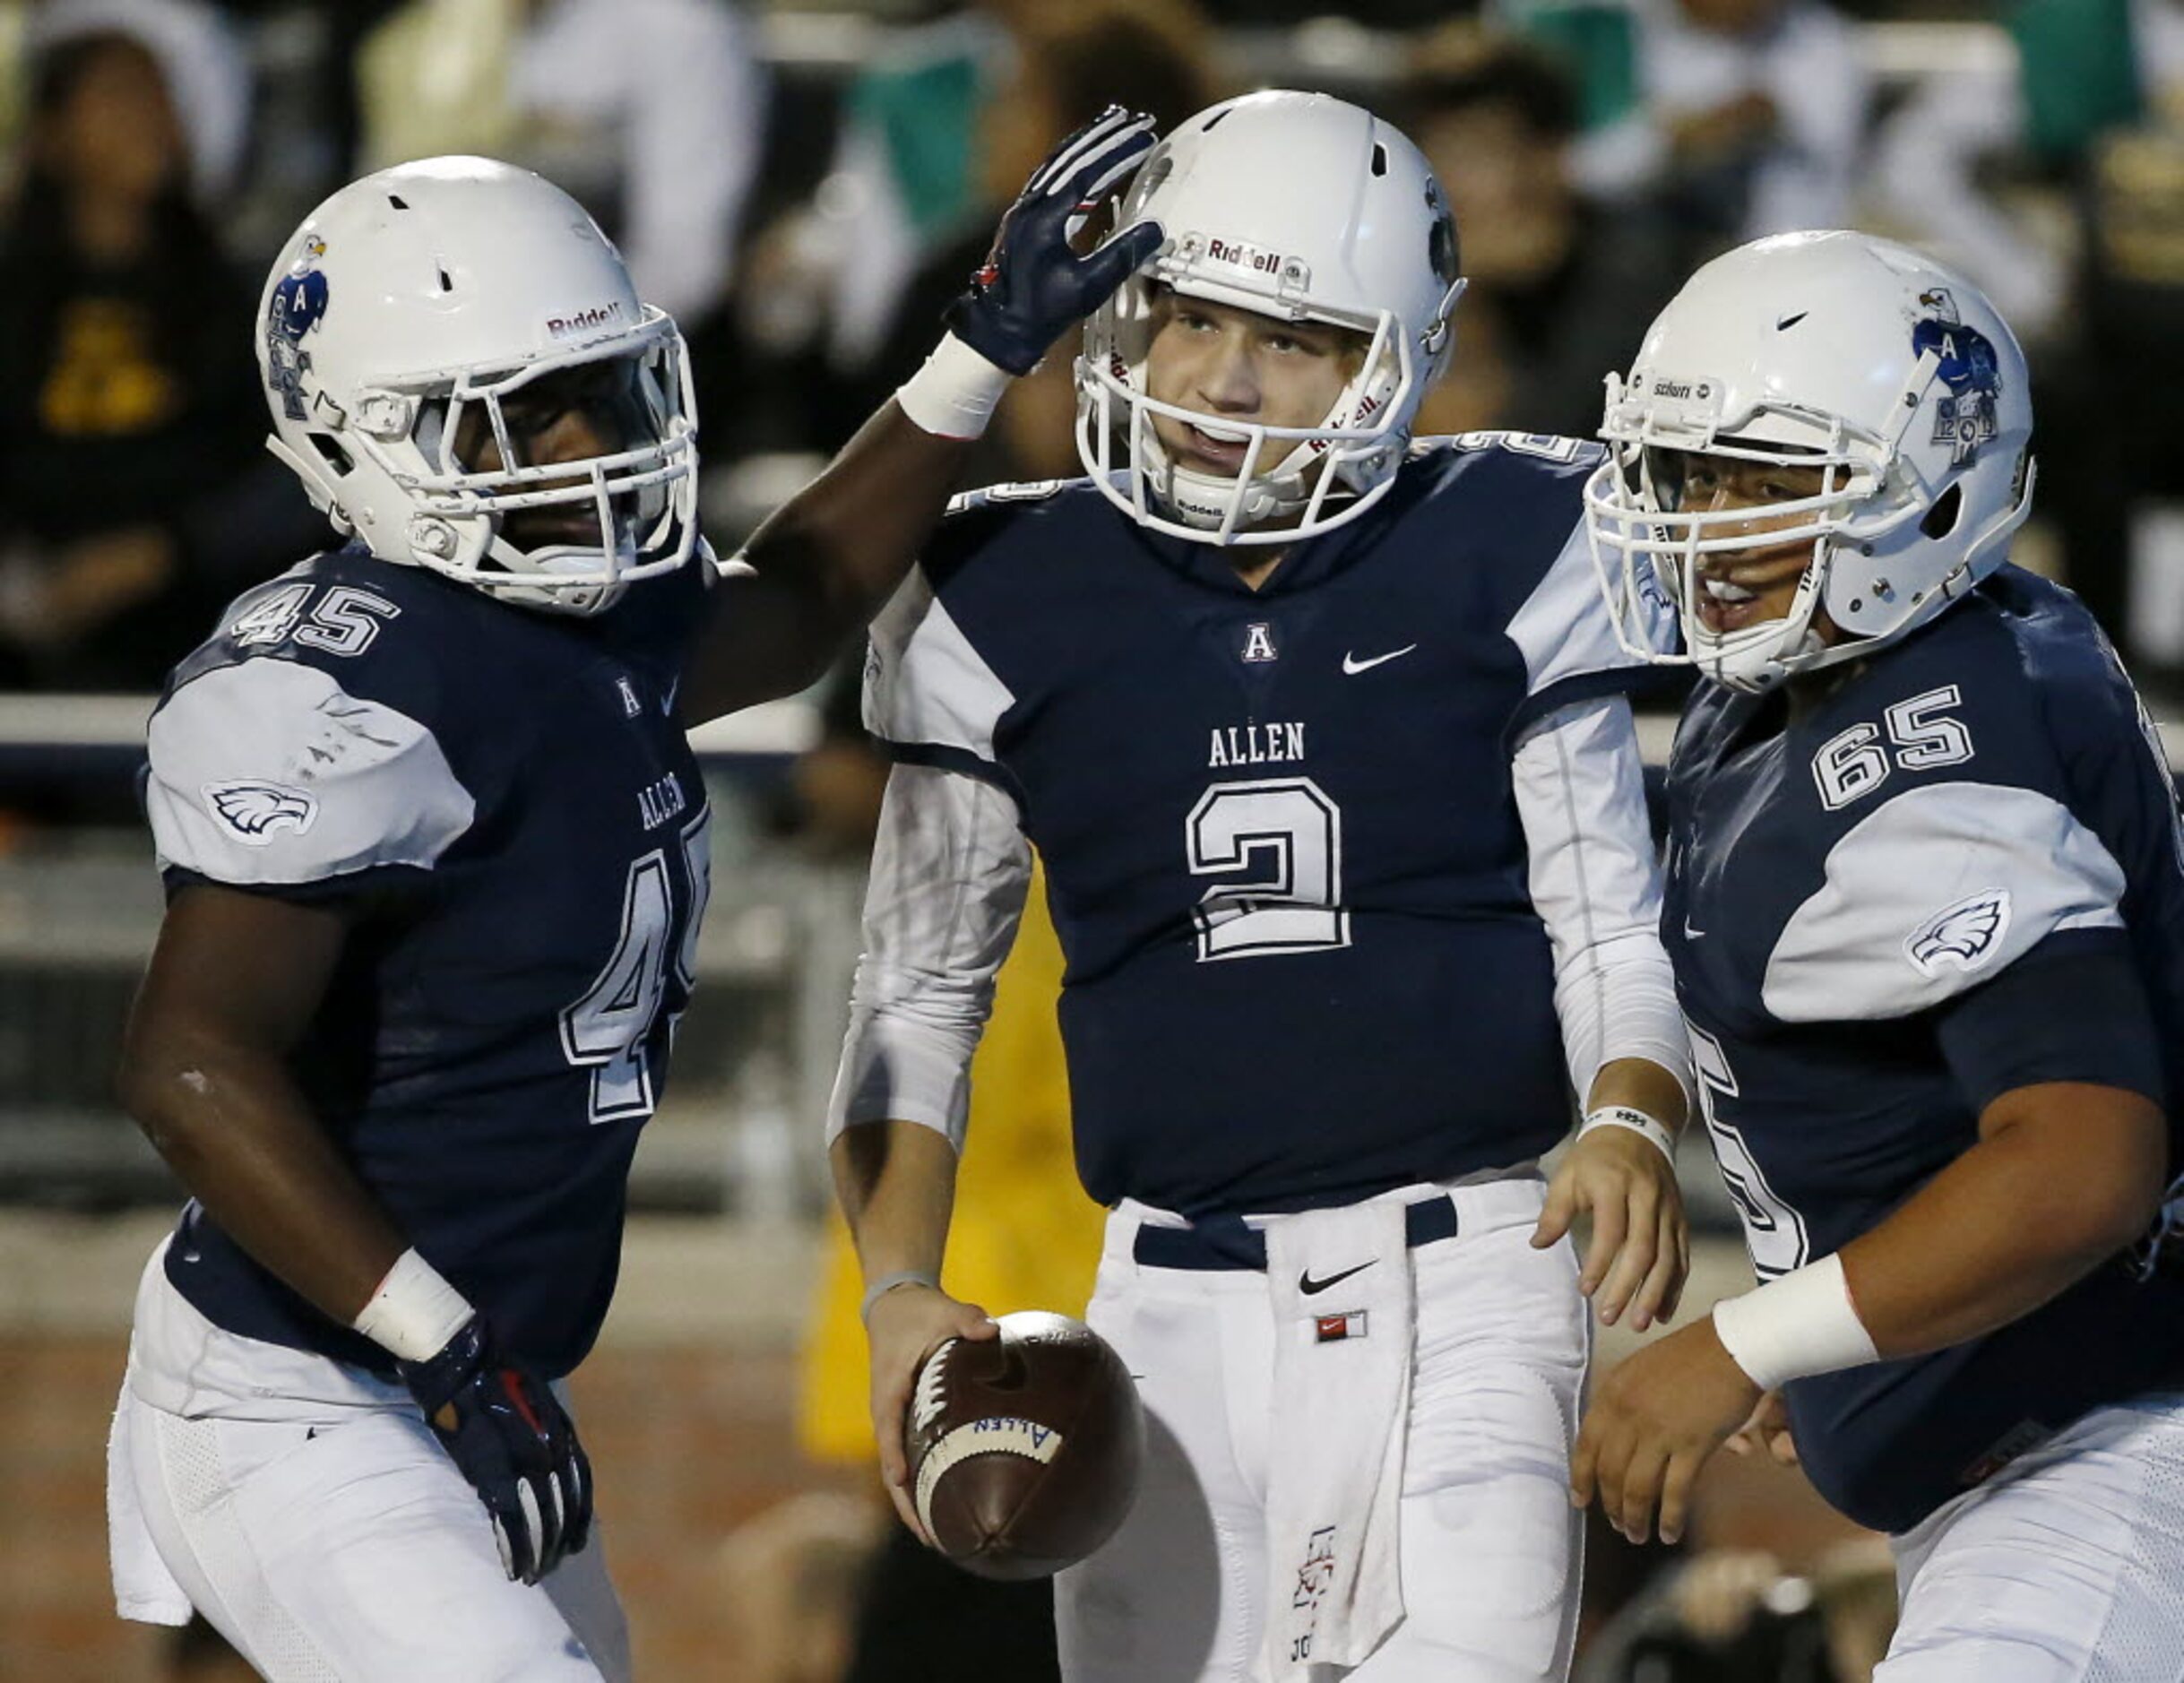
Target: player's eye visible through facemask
[(1667, 472), (541, 420), (598, 397)]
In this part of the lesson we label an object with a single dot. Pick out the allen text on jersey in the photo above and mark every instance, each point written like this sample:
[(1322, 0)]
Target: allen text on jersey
[(659, 802), (1257, 745)]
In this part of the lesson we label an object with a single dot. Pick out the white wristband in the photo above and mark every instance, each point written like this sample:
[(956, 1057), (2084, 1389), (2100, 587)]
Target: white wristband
[(415, 1312), (885, 1284), (954, 395), (1794, 1327), (1621, 1116)]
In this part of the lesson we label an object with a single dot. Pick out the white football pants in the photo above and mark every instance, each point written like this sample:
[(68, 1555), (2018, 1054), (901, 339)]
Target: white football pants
[(2067, 1569), (312, 1517), (1492, 1549)]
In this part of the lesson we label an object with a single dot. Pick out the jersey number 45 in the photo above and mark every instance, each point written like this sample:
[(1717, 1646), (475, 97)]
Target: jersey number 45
[(611, 1028)]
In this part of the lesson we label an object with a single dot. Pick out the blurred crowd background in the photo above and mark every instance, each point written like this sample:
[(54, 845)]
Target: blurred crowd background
[(804, 185)]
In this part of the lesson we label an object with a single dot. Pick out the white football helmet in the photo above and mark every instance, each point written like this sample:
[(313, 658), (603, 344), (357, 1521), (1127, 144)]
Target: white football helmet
[(415, 293), (1827, 350), (1303, 208)]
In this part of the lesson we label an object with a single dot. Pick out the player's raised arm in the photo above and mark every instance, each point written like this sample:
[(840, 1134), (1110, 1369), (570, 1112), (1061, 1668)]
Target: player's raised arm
[(816, 571)]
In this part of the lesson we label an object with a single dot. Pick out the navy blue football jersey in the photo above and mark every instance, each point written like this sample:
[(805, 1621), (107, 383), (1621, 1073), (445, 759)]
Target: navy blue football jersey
[(1954, 873), (505, 803), (1281, 849)]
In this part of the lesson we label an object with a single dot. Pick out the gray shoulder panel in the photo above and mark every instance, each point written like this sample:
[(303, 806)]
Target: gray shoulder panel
[(1564, 629), (1941, 888), (924, 682), (268, 772)]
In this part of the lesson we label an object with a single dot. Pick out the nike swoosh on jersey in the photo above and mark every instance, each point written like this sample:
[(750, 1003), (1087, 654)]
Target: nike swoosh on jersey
[(1312, 1288), (1352, 666)]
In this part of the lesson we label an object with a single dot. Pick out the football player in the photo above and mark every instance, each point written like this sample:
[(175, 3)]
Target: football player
[(435, 852), (1926, 911), (1321, 737)]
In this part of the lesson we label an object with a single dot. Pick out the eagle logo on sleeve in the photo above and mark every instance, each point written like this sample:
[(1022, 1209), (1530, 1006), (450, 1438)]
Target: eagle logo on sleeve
[(256, 812), (1963, 936)]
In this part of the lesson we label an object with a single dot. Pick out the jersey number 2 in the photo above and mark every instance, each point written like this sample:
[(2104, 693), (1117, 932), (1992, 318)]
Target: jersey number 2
[(1288, 835), (611, 1028)]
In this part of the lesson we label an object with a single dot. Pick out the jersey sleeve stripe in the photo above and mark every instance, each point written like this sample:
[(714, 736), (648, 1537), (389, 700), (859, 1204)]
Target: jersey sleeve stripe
[(950, 759)]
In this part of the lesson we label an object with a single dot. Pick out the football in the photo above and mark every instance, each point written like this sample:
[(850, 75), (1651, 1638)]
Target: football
[(1023, 1449)]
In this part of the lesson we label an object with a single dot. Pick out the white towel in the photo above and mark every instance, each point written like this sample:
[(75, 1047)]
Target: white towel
[(1341, 1401), (143, 1588)]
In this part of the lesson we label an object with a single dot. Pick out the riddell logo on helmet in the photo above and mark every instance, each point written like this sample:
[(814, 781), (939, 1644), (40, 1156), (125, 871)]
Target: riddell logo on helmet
[(1252, 257), (584, 321), (1246, 257)]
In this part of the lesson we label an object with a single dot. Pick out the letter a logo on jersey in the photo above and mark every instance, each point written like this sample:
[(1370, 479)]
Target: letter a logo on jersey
[(1259, 642)]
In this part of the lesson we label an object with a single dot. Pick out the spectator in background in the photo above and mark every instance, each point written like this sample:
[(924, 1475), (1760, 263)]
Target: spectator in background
[(1742, 117), (1561, 286), (905, 178), (134, 497), (821, 281), (201, 62), (1070, 63), (652, 113), (2086, 96), (2065, 74)]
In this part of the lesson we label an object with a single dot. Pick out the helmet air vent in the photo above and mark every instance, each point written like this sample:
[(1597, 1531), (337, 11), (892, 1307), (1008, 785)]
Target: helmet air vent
[(397, 202), (1380, 158)]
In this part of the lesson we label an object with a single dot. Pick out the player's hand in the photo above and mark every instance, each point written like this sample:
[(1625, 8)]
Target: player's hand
[(1655, 1422), (1768, 1429), (905, 1326), (1641, 1249), (509, 1436), (1034, 287)]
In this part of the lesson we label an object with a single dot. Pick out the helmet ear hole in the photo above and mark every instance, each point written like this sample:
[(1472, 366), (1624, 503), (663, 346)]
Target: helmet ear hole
[(331, 453), (1941, 519)]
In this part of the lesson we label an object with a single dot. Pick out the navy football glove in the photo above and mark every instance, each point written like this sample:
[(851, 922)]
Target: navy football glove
[(1033, 286), (508, 1436)]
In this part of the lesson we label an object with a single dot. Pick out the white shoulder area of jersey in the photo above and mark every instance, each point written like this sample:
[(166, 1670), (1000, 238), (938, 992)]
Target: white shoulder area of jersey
[(924, 682), (1941, 889), (268, 772), (1564, 629)]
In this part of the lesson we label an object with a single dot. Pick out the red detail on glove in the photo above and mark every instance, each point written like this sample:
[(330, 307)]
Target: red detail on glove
[(512, 1383)]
